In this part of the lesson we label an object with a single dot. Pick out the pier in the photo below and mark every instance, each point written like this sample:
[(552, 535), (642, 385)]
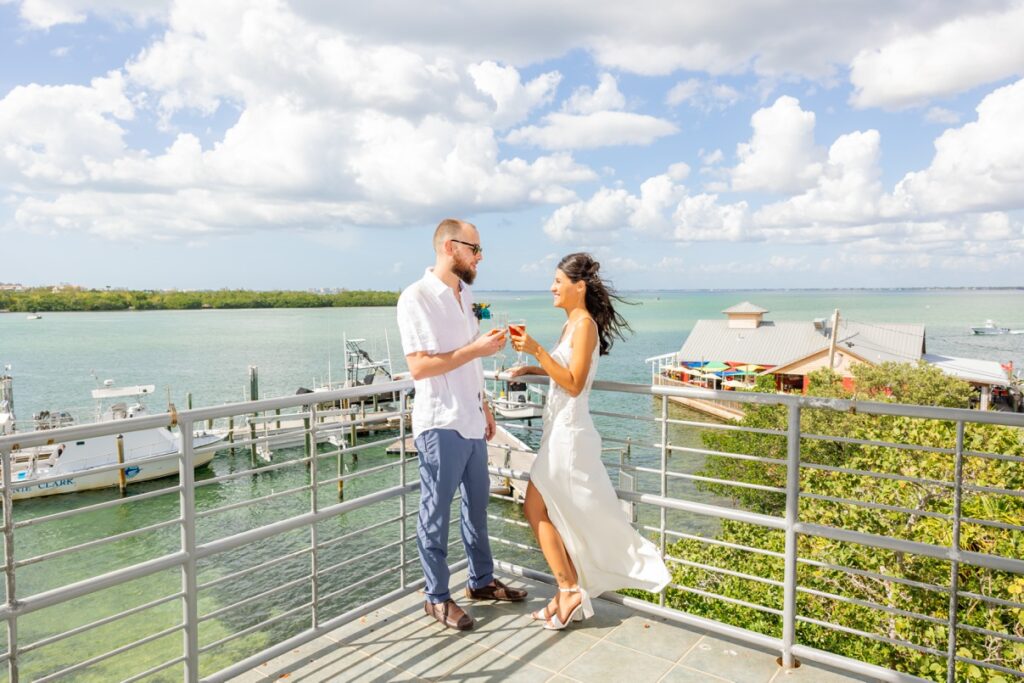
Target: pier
[(348, 609)]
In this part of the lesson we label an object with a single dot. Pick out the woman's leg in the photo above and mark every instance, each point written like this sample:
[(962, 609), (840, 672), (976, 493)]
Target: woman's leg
[(551, 545)]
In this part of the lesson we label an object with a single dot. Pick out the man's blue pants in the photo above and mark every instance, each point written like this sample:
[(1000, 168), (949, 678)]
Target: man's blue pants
[(447, 462)]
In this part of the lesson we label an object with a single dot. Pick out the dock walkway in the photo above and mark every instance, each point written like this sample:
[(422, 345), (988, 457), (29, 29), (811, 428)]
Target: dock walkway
[(400, 643)]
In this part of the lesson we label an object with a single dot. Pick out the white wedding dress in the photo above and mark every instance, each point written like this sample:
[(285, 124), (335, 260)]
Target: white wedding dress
[(606, 550)]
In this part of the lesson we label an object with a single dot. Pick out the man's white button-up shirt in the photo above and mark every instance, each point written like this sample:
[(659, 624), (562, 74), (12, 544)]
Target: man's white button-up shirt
[(431, 320)]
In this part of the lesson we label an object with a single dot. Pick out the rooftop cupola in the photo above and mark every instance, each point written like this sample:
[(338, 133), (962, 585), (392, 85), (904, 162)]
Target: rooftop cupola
[(745, 316)]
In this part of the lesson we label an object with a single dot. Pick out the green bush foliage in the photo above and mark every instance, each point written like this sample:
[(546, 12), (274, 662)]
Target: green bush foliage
[(916, 613)]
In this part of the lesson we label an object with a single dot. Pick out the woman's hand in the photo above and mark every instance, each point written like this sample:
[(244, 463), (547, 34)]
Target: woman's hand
[(521, 370), (525, 343)]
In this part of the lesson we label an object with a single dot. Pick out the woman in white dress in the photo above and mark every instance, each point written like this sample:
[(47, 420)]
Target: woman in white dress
[(580, 525)]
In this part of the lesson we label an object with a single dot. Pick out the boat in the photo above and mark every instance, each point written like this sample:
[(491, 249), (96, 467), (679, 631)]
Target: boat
[(33, 316), (515, 400), (362, 369), (67, 467), (991, 328)]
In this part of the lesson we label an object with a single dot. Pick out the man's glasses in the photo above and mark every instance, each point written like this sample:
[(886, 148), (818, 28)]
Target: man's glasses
[(475, 248)]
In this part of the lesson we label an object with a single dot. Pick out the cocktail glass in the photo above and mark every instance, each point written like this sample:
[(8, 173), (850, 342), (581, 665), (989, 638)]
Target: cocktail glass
[(518, 328)]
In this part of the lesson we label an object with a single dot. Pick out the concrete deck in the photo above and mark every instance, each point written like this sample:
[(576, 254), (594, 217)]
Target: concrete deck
[(400, 643)]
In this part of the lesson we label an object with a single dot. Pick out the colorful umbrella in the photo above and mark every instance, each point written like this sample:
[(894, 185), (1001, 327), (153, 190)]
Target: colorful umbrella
[(715, 366), (748, 369)]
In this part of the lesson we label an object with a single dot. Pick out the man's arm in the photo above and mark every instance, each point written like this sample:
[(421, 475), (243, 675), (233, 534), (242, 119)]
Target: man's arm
[(423, 365)]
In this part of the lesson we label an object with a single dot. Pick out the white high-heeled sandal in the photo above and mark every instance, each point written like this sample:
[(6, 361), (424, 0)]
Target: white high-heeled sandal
[(541, 614), (553, 623)]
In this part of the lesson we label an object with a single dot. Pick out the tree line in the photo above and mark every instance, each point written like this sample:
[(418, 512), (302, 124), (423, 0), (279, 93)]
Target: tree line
[(44, 299)]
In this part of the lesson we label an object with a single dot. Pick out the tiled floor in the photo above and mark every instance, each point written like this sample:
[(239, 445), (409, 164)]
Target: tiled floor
[(400, 643)]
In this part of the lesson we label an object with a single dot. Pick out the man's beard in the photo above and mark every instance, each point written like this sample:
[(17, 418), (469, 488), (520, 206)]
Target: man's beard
[(464, 272)]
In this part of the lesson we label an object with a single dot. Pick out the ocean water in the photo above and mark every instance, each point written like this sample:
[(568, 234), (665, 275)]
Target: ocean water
[(57, 360)]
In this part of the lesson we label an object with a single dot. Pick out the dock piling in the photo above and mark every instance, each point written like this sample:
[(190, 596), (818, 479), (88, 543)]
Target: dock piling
[(254, 395), (122, 479)]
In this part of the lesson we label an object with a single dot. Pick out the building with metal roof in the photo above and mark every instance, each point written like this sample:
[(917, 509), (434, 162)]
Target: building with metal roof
[(727, 353)]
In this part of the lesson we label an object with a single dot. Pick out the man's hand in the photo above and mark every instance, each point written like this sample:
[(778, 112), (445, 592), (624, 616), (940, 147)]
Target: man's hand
[(492, 427), (488, 344)]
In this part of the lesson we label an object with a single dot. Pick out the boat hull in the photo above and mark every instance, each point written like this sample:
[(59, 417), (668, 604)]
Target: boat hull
[(145, 469)]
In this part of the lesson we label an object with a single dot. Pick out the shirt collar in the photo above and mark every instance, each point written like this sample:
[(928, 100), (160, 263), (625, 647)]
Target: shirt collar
[(437, 285)]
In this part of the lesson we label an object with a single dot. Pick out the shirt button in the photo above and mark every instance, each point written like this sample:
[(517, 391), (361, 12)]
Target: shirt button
[(481, 409), (478, 394)]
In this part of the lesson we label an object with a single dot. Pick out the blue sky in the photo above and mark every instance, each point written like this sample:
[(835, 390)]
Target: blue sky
[(171, 143)]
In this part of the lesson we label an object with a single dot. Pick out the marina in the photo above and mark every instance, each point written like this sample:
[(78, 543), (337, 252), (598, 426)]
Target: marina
[(260, 478)]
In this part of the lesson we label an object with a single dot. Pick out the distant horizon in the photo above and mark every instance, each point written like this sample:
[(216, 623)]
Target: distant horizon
[(326, 290)]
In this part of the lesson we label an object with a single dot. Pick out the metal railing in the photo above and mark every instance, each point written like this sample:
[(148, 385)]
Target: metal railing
[(372, 559)]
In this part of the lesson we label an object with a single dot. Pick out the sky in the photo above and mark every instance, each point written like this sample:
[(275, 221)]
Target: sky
[(266, 144)]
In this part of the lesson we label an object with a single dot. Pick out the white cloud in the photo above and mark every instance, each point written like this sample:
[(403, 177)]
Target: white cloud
[(607, 210), (977, 167), (704, 95), (369, 134), (544, 264), (587, 131), (512, 98), (773, 40), (846, 192), (606, 97), (45, 14), (941, 115), (781, 156), (53, 134), (963, 52), (712, 158), (703, 218), (591, 118), (683, 91)]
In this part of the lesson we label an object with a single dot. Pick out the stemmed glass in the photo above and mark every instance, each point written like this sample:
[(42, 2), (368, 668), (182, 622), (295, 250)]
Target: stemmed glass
[(517, 327), (500, 322)]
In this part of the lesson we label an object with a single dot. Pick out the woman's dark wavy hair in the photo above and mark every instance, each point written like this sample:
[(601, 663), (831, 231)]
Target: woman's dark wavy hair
[(598, 298)]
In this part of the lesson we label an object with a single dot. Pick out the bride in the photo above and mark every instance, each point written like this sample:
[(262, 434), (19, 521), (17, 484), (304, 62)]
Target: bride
[(570, 503)]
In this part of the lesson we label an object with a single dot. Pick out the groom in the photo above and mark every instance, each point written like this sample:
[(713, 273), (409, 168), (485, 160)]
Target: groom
[(451, 421)]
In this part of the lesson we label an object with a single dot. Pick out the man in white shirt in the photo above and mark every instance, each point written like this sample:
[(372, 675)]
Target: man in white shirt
[(451, 421)]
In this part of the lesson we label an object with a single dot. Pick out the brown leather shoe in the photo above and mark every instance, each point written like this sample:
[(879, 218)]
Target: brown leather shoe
[(449, 614), (496, 590)]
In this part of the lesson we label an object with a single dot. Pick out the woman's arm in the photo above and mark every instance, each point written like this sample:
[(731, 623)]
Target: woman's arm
[(574, 377), (521, 370)]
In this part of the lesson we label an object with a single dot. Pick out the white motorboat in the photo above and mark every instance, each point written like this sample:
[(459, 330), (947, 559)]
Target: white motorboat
[(33, 316), (991, 328), (515, 400), (69, 466)]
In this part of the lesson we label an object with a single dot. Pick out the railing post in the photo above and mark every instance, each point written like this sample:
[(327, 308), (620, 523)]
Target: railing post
[(792, 516), (954, 566), (664, 483), (402, 408), (187, 501), (314, 538), (12, 621)]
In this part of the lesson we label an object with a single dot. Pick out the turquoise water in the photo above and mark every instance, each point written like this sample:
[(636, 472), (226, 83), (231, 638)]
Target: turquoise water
[(207, 353)]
